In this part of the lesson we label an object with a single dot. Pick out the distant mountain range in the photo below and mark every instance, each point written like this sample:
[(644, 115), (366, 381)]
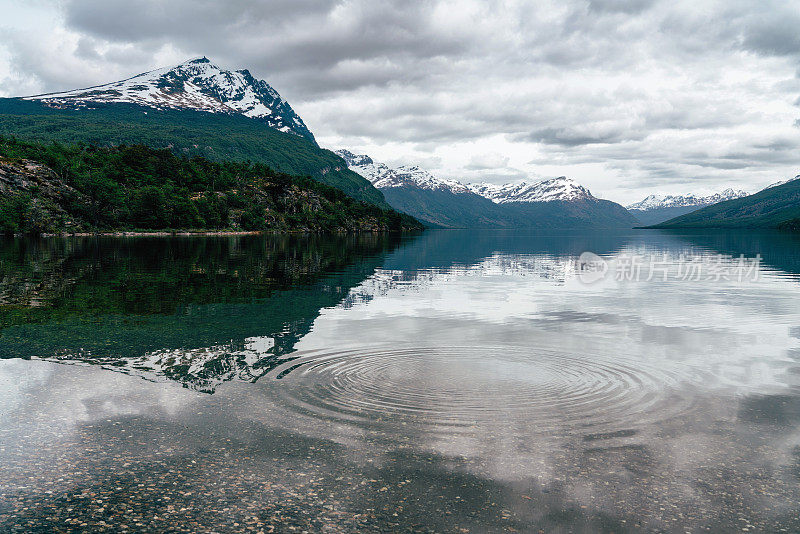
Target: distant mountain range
[(553, 203), (659, 208), (777, 206)]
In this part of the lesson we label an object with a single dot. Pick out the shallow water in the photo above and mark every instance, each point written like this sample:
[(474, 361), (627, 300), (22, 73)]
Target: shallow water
[(449, 381)]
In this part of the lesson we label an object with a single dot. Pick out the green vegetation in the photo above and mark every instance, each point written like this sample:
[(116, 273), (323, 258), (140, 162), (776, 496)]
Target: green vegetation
[(776, 207), (89, 188), (216, 137)]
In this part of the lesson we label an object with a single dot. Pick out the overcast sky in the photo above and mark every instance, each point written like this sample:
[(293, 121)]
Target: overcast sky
[(627, 96)]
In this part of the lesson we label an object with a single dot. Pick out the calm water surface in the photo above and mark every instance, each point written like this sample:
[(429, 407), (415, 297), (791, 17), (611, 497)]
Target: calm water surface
[(451, 381)]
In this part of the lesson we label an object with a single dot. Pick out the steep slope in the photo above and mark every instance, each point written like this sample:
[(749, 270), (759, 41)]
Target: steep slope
[(444, 209), (553, 203), (659, 208), (776, 206), (209, 112)]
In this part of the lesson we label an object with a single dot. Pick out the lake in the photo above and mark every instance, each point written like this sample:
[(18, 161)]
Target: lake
[(451, 381)]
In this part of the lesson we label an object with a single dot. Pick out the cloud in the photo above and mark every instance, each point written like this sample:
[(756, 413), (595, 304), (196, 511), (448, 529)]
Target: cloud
[(773, 31), (621, 6), (590, 135), (484, 161)]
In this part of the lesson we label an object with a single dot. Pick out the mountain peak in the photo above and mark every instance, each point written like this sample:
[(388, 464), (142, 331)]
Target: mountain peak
[(354, 159), (196, 84), (384, 177), (552, 189)]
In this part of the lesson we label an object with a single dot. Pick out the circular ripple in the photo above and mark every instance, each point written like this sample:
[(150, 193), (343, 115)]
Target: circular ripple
[(467, 386)]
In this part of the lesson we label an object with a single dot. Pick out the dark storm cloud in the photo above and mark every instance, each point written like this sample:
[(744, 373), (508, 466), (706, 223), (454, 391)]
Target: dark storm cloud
[(570, 137), (623, 6), (136, 20), (778, 145), (774, 31), (320, 45)]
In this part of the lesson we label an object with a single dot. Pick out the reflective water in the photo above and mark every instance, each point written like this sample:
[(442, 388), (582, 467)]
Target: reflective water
[(449, 381)]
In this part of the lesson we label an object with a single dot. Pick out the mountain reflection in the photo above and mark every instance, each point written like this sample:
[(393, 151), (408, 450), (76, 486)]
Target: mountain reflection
[(196, 310)]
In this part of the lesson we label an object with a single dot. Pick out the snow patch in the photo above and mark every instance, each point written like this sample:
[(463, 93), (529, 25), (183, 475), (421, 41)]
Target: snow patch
[(196, 84)]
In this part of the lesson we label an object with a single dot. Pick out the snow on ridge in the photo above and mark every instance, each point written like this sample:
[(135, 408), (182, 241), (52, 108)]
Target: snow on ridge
[(196, 84), (652, 202), (781, 182), (383, 177), (548, 190), (354, 159)]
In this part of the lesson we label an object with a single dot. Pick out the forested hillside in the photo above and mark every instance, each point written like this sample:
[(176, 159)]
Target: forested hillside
[(774, 207), (47, 188)]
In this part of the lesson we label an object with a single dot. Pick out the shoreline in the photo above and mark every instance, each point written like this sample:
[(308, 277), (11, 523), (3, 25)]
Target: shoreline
[(184, 233), (216, 233)]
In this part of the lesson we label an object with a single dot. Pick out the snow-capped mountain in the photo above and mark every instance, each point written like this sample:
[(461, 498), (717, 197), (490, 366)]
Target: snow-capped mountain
[(202, 369), (384, 177), (554, 203), (554, 189), (196, 84), (678, 201)]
